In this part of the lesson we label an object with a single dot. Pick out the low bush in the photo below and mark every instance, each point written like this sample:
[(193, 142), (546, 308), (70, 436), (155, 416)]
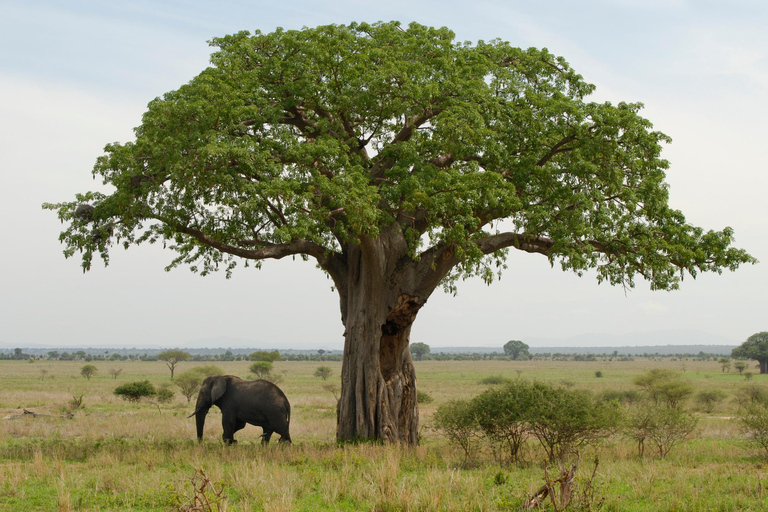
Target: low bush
[(135, 391)]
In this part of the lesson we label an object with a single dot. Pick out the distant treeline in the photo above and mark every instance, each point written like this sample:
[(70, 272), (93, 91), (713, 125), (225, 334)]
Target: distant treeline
[(134, 354)]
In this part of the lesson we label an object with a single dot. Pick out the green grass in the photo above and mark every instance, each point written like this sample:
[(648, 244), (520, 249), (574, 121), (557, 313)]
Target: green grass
[(114, 455)]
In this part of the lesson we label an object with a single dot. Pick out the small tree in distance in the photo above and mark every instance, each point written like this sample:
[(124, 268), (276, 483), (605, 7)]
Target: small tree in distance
[(323, 372), (88, 371), (261, 369), (516, 349), (172, 358), (263, 355), (756, 347), (419, 350)]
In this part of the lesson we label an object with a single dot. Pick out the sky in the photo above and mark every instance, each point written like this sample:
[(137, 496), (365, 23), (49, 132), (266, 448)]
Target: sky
[(77, 75)]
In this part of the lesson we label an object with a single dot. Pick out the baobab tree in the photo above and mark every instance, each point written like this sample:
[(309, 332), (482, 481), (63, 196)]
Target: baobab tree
[(400, 161)]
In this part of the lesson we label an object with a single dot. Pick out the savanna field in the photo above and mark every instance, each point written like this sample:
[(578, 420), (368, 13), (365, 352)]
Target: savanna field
[(110, 454)]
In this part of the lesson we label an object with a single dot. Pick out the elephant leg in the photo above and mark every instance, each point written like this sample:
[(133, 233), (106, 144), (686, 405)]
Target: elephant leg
[(266, 436), (230, 425)]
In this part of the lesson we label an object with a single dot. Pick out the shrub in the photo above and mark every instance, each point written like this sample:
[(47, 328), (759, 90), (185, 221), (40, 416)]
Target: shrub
[(423, 397), (493, 380), (660, 425), (134, 391), (164, 394), (457, 421), (563, 419), (261, 368), (707, 400), (323, 372), (599, 374), (665, 386), (627, 396), (753, 421), (503, 414), (88, 371)]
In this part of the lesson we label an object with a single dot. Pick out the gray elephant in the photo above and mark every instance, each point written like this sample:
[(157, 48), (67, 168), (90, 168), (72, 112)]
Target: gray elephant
[(258, 402)]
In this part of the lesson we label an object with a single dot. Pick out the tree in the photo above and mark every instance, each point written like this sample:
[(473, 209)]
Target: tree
[(419, 350), (263, 355), (172, 358), (740, 366), (114, 372), (516, 349), (323, 372), (725, 364), (391, 156), (261, 368), (190, 380), (88, 371), (756, 347)]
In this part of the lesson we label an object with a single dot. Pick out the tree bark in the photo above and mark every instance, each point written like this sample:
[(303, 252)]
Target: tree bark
[(380, 299)]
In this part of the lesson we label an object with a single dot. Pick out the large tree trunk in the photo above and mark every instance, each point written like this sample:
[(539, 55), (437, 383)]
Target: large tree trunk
[(378, 387)]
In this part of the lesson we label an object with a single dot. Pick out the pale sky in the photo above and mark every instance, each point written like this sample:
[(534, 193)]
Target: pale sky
[(76, 75)]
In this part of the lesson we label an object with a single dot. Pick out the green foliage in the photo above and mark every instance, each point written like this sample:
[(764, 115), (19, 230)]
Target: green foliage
[(504, 414), (423, 397), (190, 380), (492, 380), (172, 358), (164, 394), (135, 391), (564, 419), (753, 421), (457, 420), (261, 368), (516, 350), (624, 397), (323, 372), (419, 350), (322, 136), (665, 386), (709, 399), (561, 419), (756, 347), (264, 355), (88, 371)]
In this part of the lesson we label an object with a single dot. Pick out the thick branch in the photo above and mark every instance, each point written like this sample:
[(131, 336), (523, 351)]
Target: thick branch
[(556, 149), (268, 251)]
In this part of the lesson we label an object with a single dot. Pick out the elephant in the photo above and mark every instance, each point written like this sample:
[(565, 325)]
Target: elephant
[(258, 402)]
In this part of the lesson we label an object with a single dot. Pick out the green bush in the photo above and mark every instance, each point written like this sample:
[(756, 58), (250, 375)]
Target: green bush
[(564, 419), (493, 380), (134, 391), (753, 421), (503, 414), (423, 397), (261, 368), (658, 424), (708, 400), (164, 395), (457, 421), (323, 372)]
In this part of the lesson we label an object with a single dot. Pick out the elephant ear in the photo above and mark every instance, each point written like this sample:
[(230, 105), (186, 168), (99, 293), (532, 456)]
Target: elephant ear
[(218, 389)]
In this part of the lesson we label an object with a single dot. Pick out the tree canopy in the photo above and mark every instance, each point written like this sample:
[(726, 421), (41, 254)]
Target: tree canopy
[(756, 347), (516, 349), (400, 160)]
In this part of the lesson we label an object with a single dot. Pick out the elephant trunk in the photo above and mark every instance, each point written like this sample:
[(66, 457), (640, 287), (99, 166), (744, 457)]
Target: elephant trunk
[(200, 415)]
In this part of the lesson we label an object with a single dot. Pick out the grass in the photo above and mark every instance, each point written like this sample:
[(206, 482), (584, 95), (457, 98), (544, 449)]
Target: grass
[(114, 455)]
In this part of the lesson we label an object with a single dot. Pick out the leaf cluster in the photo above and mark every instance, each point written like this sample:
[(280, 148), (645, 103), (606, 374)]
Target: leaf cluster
[(560, 419)]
